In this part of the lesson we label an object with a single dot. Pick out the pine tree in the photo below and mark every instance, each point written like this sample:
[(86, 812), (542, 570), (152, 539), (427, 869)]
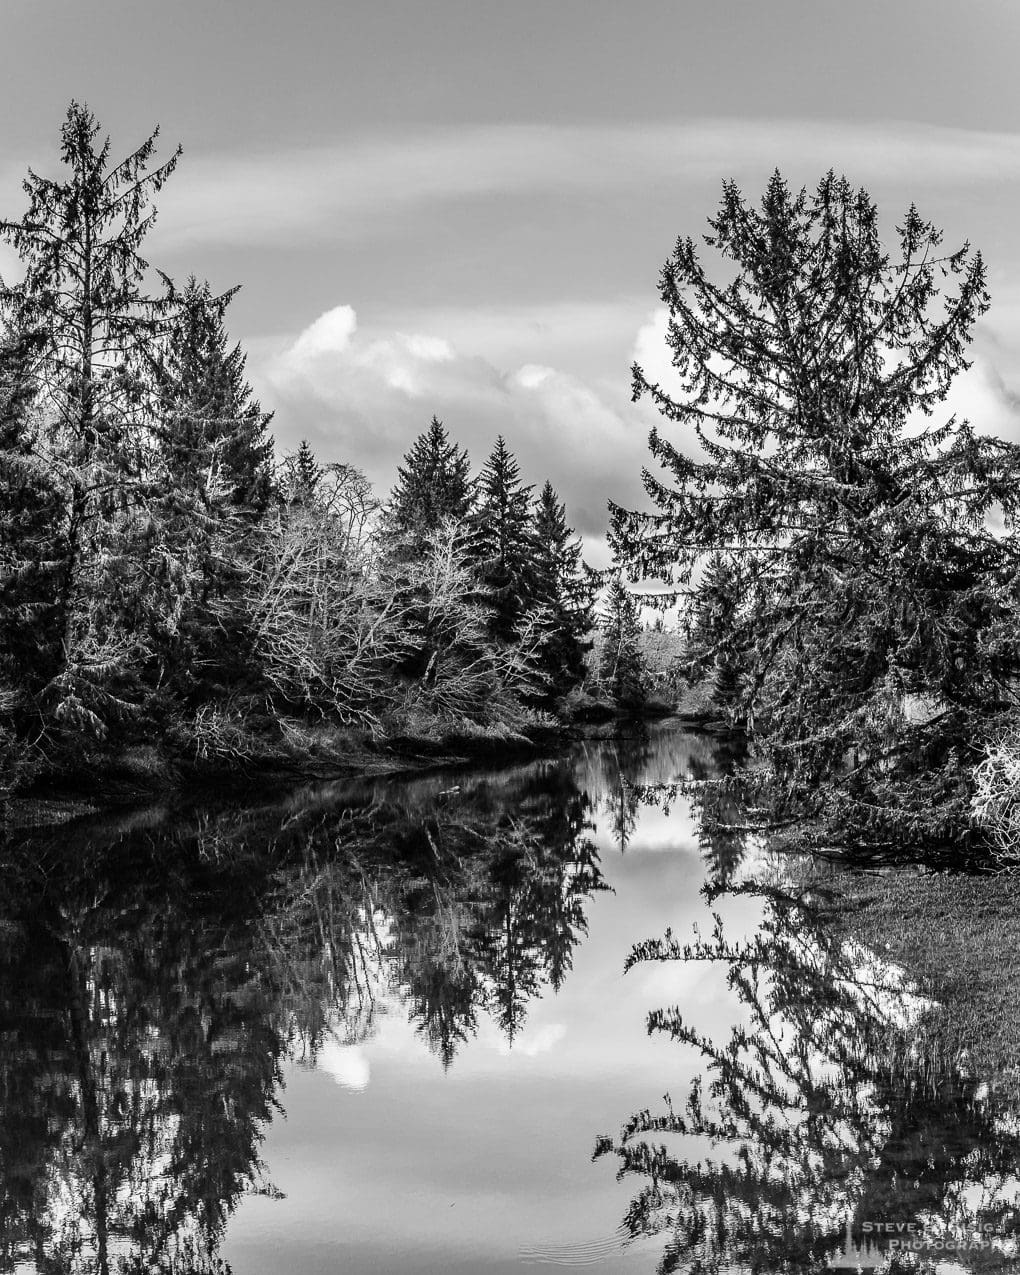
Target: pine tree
[(433, 486), (621, 668), (304, 475), (713, 651), (82, 298), (210, 417), (30, 514), (561, 587), (211, 480), (870, 572), (503, 542)]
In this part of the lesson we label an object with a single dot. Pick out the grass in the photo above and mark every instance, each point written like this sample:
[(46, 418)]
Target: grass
[(958, 940)]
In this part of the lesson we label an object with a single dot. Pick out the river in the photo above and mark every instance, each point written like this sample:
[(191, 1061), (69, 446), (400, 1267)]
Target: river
[(386, 1025)]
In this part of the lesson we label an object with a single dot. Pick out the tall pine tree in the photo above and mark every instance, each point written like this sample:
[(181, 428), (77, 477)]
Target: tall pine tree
[(303, 474), (621, 668), (806, 352), (433, 486), (560, 586), (209, 414), (30, 548), (503, 542), (211, 478), (82, 298)]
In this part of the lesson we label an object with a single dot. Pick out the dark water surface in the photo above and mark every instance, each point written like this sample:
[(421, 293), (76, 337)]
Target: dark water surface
[(381, 1026)]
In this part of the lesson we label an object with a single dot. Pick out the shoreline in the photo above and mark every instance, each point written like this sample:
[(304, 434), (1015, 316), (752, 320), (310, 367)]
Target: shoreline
[(143, 775)]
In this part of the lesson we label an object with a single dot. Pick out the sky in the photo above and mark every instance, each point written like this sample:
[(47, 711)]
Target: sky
[(461, 207)]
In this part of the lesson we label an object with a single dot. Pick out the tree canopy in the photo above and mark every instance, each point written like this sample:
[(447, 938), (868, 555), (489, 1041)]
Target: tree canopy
[(872, 633)]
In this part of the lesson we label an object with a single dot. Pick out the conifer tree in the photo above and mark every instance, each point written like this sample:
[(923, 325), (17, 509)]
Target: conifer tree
[(433, 486), (621, 668), (30, 515), (561, 587), (503, 542), (870, 570), (210, 417), (82, 297), (305, 474), (210, 479), (714, 650)]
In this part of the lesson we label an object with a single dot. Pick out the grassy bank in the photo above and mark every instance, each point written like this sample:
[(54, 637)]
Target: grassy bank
[(958, 940)]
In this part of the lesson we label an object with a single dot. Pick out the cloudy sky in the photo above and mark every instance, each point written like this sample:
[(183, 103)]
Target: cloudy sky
[(461, 207)]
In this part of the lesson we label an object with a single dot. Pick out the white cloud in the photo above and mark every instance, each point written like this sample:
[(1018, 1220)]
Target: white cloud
[(591, 338), (366, 185), (347, 1065), (364, 395), (981, 396), (653, 355), (330, 334), (541, 1040)]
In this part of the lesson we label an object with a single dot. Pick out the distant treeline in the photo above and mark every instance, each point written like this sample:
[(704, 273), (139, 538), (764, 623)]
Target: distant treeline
[(166, 578)]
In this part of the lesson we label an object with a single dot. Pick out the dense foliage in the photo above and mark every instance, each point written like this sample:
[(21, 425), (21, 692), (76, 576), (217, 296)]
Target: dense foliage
[(850, 568), (165, 578)]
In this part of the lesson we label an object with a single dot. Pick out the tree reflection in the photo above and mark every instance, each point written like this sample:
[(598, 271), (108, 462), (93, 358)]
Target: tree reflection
[(156, 971), (824, 1114)]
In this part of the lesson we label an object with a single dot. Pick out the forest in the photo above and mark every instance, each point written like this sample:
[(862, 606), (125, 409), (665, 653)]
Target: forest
[(178, 598)]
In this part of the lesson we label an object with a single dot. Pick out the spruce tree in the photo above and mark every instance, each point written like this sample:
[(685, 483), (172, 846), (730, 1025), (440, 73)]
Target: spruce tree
[(503, 542), (870, 570), (714, 651), (561, 587), (211, 479), (30, 547), (82, 298), (209, 415), (433, 486), (304, 475), (621, 669)]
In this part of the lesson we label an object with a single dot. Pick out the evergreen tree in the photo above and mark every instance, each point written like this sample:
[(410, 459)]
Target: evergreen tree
[(30, 513), (503, 542), (304, 475), (210, 420), (433, 486), (561, 587), (621, 668), (870, 572), (210, 479), (82, 298), (712, 649)]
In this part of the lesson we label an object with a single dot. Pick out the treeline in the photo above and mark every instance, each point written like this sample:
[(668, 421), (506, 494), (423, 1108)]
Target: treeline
[(164, 576)]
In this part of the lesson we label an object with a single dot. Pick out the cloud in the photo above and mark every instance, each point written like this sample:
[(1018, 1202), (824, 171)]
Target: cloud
[(591, 338), (981, 394), (368, 185), (364, 395), (534, 1042), (347, 1065)]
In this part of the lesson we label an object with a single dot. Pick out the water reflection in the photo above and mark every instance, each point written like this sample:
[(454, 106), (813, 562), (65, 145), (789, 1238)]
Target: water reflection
[(827, 1130), (157, 970), (163, 974)]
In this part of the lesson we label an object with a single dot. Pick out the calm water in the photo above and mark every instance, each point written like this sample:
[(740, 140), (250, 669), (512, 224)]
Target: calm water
[(384, 1026)]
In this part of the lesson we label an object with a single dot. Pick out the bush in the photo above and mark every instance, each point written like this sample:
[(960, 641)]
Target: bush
[(995, 805)]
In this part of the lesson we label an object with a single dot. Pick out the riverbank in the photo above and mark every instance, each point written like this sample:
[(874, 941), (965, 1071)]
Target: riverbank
[(957, 939), (260, 763)]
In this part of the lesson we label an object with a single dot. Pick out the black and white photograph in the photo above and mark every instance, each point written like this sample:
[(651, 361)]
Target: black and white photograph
[(509, 637)]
